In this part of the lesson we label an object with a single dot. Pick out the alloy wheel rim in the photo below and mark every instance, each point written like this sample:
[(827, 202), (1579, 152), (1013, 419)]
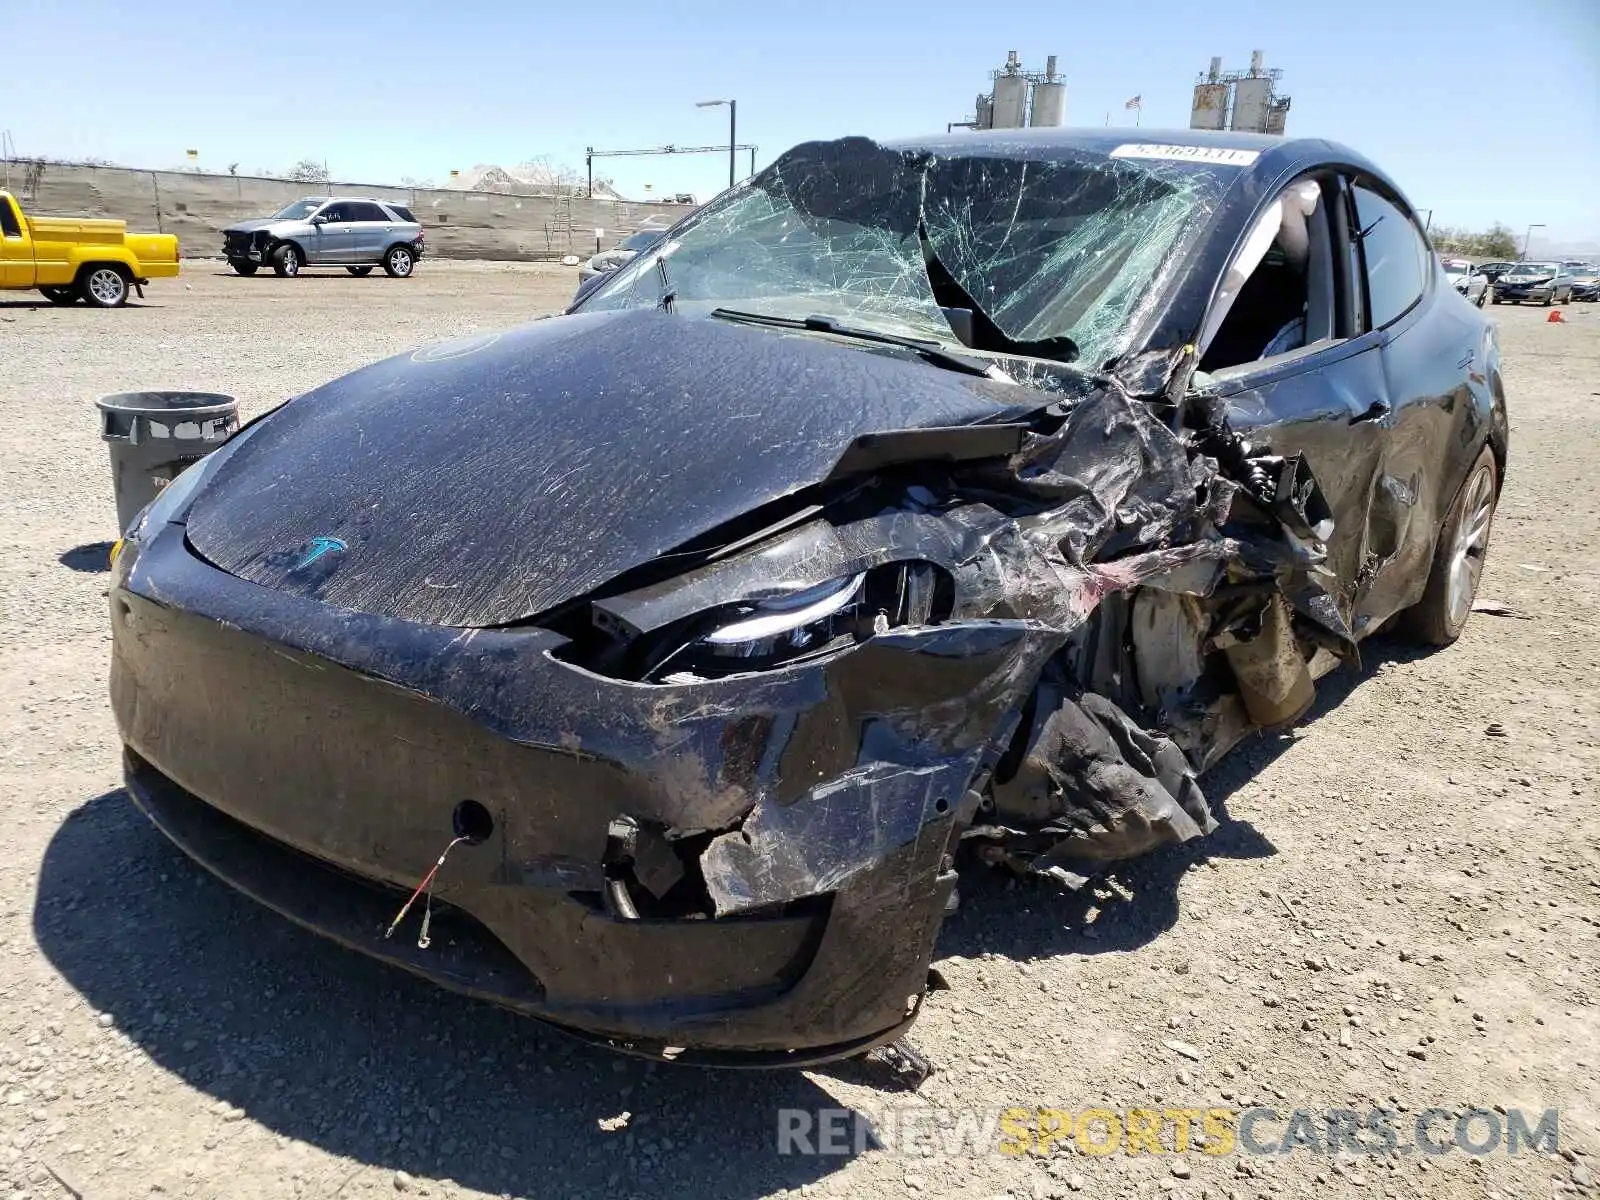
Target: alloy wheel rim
[(106, 286), (401, 261), (1472, 542)]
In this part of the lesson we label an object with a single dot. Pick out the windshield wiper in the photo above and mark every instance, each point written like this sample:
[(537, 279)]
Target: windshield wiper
[(928, 351), (669, 294)]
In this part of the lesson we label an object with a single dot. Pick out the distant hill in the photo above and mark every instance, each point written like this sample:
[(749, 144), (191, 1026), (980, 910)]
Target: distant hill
[(537, 177)]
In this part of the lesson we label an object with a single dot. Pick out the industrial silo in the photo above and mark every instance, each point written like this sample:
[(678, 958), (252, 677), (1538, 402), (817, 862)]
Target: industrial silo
[(1010, 101), (1049, 98), (1210, 109), (1252, 98)]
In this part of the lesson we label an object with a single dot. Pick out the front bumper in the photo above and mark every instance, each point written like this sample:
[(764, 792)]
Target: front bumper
[(313, 757), (1524, 291), (243, 247)]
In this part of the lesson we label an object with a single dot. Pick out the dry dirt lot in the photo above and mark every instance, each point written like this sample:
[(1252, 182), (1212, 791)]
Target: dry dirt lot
[(1399, 910)]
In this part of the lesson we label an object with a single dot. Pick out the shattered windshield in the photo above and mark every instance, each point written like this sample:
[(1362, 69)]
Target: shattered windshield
[(1054, 249)]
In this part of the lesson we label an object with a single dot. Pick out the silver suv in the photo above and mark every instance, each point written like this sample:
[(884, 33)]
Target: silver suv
[(353, 232)]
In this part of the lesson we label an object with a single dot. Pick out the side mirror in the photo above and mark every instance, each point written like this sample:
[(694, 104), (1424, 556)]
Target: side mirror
[(587, 286), (319, 219)]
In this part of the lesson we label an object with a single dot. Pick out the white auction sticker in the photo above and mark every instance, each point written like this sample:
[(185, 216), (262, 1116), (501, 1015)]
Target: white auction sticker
[(1221, 155)]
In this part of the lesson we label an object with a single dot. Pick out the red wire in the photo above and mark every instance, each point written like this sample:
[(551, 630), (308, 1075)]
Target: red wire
[(421, 887)]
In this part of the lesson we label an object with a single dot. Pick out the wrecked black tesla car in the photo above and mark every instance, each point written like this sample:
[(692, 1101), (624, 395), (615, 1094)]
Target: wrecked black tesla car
[(913, 504)]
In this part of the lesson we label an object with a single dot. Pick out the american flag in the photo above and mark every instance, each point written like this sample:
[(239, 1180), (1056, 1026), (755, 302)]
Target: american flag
[(1135, 102)]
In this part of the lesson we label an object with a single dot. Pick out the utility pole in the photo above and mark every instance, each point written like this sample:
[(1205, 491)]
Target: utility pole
[(733, 135)]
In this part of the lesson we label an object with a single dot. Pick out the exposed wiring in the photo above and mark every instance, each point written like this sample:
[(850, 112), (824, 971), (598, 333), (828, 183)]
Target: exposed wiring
[(425, 886)]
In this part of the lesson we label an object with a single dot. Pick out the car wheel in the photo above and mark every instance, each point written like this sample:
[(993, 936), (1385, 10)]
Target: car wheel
[(244, 266), (1549, 299), (286, 259), (59, 295), (1567, 299), (399, 261), (1495, 299), (104, 286), (359, 272), (1482, 296), (1439, 617)]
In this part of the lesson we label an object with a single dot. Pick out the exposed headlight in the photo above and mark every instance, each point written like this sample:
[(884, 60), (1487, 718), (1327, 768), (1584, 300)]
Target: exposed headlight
[(791, 618), (777, 630)]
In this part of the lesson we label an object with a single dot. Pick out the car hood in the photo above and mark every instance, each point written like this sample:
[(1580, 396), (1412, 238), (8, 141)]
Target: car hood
[(486, 480), (250, 226)]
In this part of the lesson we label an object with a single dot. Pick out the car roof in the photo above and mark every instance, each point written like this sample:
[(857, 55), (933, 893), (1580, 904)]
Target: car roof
[(1276, 155)]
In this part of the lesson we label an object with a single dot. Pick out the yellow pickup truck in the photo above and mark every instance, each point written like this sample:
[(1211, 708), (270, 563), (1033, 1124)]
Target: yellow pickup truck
[(71, 258)]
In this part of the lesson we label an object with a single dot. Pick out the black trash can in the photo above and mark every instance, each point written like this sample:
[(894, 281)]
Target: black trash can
[(154, 435)]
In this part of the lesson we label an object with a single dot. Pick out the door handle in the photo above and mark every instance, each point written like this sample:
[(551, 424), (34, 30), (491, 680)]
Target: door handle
[(1376, 411)]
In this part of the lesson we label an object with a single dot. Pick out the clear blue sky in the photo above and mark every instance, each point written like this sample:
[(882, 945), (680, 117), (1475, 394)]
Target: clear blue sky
[(1483, 109)]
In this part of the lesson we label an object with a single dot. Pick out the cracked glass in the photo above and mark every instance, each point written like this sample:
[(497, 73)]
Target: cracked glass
[(1056, 250)]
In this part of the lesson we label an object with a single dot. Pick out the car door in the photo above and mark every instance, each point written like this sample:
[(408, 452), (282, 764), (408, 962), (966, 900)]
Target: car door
[(370, 228), (1325, 399), (16, 250), (331, 234), (1434, 378)]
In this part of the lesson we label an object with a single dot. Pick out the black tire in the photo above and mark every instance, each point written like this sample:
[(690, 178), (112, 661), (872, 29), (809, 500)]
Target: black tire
[(103, 285), (60, 295), (1440, 616), (244, 266), (1495, 299), (286, 259), (359, 272), (1482, 296), (1567, 299), (399, 261), (1548, 300)]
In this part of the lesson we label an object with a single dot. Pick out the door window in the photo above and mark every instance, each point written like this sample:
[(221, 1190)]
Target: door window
[(1394, 255), (8, 220), (1279, 293), (367, 212), (337, 212)]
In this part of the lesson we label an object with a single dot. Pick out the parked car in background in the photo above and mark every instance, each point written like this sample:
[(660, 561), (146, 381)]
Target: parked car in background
[(356, 233), (74, 258), (1544, 282), (1466, 279), (1493, 270), (1586, 283), (619, 255), (931, 503)]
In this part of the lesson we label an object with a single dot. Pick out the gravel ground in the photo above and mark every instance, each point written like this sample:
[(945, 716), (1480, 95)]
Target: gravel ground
[(1399, 909)]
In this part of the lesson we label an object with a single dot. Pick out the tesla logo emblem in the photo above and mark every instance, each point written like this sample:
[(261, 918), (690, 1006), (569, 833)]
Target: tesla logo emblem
[(317, 548)]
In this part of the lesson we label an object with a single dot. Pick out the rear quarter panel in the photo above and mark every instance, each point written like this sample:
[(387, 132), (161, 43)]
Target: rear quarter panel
[(1442, 372)]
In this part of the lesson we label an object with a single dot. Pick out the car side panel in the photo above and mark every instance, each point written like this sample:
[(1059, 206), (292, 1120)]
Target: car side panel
[(369, 239), (329, 242), (1440, 378), (1328, 407)]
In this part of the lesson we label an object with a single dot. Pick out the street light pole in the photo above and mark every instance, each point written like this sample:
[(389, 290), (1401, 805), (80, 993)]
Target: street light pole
[(1527, 239), (733, 135)]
